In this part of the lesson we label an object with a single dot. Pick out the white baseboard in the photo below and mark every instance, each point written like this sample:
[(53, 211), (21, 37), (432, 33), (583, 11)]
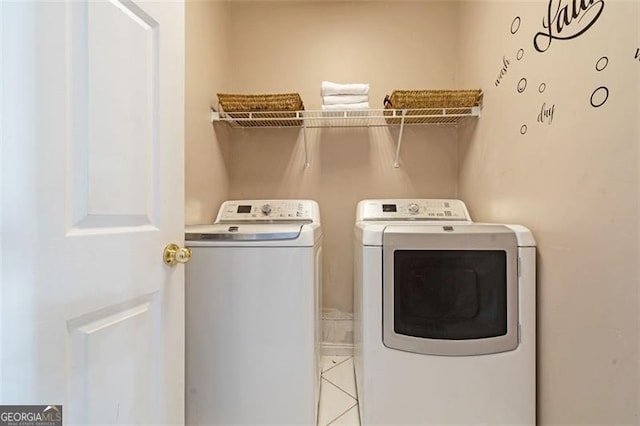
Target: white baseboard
[(337, 333), (336, 349), (337, 326)]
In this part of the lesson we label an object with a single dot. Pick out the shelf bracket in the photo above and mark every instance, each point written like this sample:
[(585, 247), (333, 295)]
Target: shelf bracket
[(396, 163), (304, 135)]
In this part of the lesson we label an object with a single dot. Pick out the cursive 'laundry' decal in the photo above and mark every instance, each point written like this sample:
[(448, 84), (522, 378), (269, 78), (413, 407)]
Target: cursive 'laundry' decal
[(567, 19)]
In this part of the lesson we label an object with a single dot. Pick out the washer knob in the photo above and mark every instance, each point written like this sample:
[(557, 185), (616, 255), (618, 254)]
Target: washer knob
[(413, 208), (266, 210)]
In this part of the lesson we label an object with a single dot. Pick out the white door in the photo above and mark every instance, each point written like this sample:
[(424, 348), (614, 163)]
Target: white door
[(92, 191)]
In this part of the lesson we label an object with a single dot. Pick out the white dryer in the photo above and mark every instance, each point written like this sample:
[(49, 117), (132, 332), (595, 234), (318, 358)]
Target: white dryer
[(253, 306), (444, 316)]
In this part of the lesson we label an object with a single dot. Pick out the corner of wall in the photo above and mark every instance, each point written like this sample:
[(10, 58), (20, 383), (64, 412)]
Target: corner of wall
[(206, 62), (228, 35)]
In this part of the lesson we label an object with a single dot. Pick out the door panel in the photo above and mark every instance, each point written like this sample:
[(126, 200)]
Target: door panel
[(92, 191), (97, 362), (113, 70), (470, 269)]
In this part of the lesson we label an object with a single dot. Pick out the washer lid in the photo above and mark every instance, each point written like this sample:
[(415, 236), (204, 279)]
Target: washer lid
[(244, 232)]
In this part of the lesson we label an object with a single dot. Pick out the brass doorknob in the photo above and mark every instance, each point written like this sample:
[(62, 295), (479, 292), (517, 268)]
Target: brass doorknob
[(174, 254)]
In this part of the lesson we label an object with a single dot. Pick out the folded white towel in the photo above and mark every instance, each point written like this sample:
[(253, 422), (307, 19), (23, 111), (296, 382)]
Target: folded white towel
[(329, 88), (344, 107), (344, 99)]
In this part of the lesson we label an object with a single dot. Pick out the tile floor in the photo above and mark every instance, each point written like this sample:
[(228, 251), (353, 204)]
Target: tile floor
[(338, 396)]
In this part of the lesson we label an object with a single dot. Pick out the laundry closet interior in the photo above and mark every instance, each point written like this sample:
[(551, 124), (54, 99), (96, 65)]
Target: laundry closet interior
[(555, 148)]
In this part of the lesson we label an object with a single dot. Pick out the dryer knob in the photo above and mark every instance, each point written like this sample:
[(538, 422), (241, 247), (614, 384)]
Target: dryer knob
[(266, 210), (413, 208)]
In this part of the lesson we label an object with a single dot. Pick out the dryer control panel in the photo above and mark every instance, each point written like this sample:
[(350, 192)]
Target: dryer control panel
[(408, 209), (304, 211)]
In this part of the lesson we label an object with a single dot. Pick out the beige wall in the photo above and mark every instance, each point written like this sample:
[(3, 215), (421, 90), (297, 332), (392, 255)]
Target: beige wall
[(207, 72), (293, 46), (574, 183)]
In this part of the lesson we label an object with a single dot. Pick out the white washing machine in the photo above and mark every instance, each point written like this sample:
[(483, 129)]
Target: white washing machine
[(445, 317), (253, 306)]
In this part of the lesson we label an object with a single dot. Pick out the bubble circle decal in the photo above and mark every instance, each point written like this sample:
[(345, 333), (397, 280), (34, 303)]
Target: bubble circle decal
[(515, 25), (522, 85), (542, 87), (602, 63), (520, 54), (599, 97), (523, 129)]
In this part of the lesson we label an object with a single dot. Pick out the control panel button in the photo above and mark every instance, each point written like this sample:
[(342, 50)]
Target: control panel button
[(266, 209), (413, 208)]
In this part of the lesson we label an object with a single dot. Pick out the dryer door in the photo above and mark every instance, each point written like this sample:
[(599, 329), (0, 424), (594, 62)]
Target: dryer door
[(450, 290)]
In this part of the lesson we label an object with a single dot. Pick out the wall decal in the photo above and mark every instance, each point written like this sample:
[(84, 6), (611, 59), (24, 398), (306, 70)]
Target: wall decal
[(515, 25), (522, 84), (601, 94), (566, 20), (503, 70), (599, 97), (602, 63), (546, 113), (562, 20)]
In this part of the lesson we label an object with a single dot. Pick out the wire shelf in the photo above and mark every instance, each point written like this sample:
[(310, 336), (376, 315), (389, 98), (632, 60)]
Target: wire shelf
[(345, 118)]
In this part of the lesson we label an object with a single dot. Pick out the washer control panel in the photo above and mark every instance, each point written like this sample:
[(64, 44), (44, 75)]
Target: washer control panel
[(424, 209), (267, 211)]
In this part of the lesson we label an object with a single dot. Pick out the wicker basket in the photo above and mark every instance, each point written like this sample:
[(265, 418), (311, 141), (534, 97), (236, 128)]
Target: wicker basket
[(269, 102), (431, 102), (259, 110)]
